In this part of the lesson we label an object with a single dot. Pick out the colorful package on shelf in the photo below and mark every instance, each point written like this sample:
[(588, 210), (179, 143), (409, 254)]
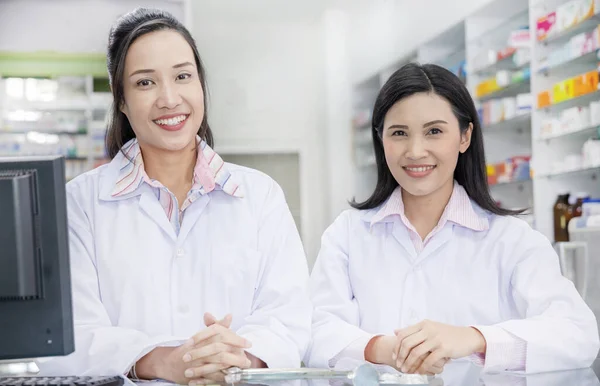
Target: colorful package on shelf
[(563, 90), (487, 86), (569, 88), (583, 43), (492, 178), (520, 76), (586, 9), (520, 168), (566, 15), (520, 38), (544, 99), (546, 26), (505, 53)]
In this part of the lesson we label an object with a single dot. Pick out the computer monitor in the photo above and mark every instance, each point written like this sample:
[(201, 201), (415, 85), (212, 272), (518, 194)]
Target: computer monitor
[(36, 318)]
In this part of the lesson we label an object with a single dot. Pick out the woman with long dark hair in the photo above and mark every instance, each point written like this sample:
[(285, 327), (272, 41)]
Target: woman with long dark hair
[(182, 265), (430, 268)]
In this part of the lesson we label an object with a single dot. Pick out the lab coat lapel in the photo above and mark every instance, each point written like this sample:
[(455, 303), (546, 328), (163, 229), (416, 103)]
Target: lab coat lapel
[(151, 206), (192, 214), (400, 233), (437, 241)]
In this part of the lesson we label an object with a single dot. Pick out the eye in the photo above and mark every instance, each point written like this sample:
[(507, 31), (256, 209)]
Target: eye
[(435, 131), (184, 76), (397, 133), (144, 82)]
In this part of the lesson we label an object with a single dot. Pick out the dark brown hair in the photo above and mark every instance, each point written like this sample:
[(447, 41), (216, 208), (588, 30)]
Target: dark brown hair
[(122, 35), (470, 169)]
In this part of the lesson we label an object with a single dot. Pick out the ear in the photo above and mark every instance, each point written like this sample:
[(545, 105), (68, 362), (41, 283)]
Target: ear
[(465, 138)]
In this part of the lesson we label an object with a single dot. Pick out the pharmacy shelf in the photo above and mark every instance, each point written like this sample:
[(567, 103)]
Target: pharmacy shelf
[(582, 133), (579, 101), (516, 123), (501, 65), (590, 171), (59, 105), (24, 132), (515, 183), (511, 90), (567, 67), (565, 35)]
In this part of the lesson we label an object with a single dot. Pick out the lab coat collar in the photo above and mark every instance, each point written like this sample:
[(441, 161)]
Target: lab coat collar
[(460, 210), (124, 176)]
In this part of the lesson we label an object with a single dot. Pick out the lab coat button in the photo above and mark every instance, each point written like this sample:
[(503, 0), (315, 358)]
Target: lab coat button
[(180, 252)]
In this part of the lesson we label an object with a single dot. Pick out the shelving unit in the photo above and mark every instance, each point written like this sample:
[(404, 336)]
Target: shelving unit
[(557, 149), (54, 103), (499, 78)]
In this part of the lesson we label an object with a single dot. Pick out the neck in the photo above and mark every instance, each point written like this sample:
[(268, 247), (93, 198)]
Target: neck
[(424, 212), (173, 169)]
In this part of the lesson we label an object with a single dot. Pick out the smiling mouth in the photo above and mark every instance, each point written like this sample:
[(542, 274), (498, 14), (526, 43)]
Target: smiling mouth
[(419, 169), (173, 121)]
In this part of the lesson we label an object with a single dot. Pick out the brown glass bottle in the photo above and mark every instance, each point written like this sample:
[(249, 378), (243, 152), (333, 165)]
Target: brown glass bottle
[(561, 213)]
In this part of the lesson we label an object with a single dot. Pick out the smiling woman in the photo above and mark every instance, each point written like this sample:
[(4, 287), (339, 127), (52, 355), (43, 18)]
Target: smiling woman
[(183, 265), (429, 268)]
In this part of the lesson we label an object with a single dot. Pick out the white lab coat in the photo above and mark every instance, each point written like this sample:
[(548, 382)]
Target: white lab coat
[(137, 285), (369, 280)]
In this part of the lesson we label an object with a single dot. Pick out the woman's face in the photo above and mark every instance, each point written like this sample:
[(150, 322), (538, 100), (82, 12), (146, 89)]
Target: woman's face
[(422, 140), (164, 101)]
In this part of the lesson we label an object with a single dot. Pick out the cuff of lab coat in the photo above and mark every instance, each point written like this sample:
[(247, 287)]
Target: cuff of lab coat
[(272, 350), (504, 351), (355, 350), (154, 342)]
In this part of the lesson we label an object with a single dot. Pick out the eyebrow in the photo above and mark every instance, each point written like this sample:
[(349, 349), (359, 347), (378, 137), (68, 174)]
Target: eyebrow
[(425, 125), (149, 71)]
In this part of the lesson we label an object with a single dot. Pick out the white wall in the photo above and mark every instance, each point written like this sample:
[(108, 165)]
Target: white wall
[(266, 86), (383, 31), (66, 25)]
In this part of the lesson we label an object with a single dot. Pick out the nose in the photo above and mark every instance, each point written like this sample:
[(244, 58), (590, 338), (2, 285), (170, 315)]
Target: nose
[(416, 148), (169, 97)]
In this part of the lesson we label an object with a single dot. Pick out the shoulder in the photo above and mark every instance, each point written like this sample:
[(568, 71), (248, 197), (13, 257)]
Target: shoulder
[(255, 184), (86, 184), (351, 222)]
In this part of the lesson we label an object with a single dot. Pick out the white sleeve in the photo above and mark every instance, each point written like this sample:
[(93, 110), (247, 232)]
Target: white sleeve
[(336, 314), (100, 347), (279, 325), (558, 327)]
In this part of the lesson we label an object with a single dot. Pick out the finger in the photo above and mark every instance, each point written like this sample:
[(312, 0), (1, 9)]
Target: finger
[(226, 336), (204, 370), (404, 332), (206, 351), (226, 321), (431, 363), (407, 345), (417, 356), (218, 333), (229, 359), (209, 319), (401, 334)]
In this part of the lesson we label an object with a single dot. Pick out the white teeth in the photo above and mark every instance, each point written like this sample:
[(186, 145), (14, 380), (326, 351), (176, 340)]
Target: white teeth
[(171, 121), (420, 169)]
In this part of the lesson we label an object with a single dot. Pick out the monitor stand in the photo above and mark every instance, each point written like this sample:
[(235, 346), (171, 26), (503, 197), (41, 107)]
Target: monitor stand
[(18, 369)]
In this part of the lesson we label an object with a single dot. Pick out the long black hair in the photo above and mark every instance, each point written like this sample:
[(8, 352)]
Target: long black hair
[(124, 32), (470, 169)]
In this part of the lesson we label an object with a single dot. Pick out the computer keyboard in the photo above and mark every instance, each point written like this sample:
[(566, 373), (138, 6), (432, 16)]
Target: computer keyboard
[(61, 381)]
